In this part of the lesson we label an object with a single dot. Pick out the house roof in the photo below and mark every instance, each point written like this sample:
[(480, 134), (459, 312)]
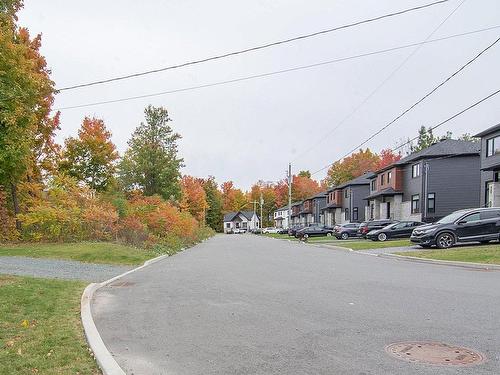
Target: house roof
[(445, 147), (331, 205), (361, 180), (488, 131), (231, 215), (389, 192)]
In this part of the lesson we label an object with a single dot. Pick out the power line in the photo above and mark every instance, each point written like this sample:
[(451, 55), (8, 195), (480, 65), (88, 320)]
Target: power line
[(415, 104), (377, 89), (251, 49), (263, 75), (450, 118)]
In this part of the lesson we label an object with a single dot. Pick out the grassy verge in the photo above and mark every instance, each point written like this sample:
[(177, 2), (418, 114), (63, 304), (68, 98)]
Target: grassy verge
[(279, 236), (368, 244), (40, 328), (89, 252), (489, 254)]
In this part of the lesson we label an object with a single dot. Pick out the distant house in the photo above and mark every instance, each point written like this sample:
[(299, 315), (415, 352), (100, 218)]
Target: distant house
[(280, 217), (311, 209), (346, 202), (296, 209), (490, 166), (427, 184), (247, 220)]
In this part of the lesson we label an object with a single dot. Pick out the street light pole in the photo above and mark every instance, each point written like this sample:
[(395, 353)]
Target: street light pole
[(289, 175), (261, 204)]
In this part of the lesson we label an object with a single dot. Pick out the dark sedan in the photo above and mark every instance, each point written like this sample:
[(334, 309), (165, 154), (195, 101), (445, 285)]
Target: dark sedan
[(402, 229), (314, 231), (472, 225), (293, 230), (368, 226), (344, 231)]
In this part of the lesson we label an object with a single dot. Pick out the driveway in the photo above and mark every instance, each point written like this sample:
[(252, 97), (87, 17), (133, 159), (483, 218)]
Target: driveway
[(58, 269), (252, 305)]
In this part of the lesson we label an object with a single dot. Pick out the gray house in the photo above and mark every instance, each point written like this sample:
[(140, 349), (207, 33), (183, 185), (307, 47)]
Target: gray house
[(346, 202), (246, 220), (490, 166), (428, 184), (296, 210)]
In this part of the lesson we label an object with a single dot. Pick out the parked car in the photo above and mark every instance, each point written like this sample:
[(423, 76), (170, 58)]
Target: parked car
[(368, 226), (402, 229), (314, 231), (270, 230), (239, 231), (344, 231), (283, 230), (293, 230), (471, 225), (256, 231)]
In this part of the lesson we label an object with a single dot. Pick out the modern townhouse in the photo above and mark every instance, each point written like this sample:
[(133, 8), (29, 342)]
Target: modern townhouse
[(346, 202), (318, 203), (490, 166), (428, 184), (295, 217), (306, 215), (280, 217)]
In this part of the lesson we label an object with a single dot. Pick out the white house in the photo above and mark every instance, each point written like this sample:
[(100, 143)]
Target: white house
[(247, 220), (280, 217)]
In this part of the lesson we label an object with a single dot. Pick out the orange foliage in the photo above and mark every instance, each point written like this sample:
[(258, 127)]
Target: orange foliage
[(194, 198)]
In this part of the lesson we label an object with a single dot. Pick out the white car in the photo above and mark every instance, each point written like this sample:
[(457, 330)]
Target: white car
[(239, 231), (270, 230)]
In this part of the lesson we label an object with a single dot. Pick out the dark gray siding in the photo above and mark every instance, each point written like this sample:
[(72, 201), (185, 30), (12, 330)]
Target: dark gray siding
[(493, 161), (486, 176), (318, 204), (456, 182), (412, 186), (358, 193)]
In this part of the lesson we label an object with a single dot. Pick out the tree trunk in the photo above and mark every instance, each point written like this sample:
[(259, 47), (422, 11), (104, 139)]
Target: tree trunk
[(15, 202)]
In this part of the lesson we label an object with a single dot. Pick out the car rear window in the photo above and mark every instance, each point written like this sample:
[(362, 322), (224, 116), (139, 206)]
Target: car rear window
[(490, 214)]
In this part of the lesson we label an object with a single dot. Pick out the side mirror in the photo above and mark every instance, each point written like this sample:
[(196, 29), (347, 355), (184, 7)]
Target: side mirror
[(462, 222)]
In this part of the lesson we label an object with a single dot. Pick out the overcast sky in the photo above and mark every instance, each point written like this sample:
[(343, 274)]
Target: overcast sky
[(250, 130)]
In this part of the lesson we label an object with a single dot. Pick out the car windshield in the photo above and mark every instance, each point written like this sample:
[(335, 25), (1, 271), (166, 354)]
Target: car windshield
[(451, 217)]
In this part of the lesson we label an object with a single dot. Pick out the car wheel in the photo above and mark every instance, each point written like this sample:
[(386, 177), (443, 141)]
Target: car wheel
[(445, 240), (345, 236), (382, 237), (328, 234), (306, 235)]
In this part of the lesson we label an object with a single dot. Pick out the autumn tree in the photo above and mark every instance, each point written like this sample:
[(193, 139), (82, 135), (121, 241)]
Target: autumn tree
[(194, 198), (304, 187), (268, 194), (214, 214), (26, 96), (281, 193), (151, 163), (351, 167), (305, 174), (387, 157), (233, 199), (91, 157)]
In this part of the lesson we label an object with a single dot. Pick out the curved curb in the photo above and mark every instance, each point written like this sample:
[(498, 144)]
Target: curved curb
[(451, 263), (103, 357)]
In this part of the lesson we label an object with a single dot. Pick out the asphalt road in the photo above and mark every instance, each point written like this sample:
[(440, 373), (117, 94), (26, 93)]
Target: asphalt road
[(250, 305)]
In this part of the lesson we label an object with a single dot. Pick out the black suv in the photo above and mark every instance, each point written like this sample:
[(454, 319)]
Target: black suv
[(368, 226), (473, 225)]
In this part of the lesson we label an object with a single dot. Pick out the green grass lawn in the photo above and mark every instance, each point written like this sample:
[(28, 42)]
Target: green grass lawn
[(279, 236), (40, 328), (89, 252), (365, 244), (489, 254)]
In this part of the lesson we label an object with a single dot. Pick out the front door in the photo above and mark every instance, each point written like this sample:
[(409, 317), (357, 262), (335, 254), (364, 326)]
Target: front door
[(388, 210), (490, 194)]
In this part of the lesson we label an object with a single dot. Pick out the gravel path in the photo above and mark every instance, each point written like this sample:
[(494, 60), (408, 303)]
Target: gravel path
[(59, 269)]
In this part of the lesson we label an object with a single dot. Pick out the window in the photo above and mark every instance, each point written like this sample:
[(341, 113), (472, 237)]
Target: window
[(374, 184), (382, 179), (493, 214), (228, 225), (415, 170), (346, 193), (493, 146), (470, 218), (415, 204), (431, 203), (346, 214), (389, 176), (244, 224), (355, 214), (372, 210)]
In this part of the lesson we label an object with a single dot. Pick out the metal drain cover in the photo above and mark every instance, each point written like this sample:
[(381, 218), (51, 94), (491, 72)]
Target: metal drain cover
[(434, 353)]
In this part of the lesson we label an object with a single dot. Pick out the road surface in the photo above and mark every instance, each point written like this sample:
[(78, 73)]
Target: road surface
[(243, 304)]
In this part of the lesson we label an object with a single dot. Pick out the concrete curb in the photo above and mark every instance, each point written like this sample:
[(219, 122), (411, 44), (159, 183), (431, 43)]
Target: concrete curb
[(450, 263), (103, 357)]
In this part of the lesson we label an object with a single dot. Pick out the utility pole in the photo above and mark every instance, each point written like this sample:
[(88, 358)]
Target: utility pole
[(261, 204), (289, 175)]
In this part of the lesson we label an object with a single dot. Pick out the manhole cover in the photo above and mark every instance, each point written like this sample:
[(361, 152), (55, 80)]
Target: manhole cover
[(434, 353)]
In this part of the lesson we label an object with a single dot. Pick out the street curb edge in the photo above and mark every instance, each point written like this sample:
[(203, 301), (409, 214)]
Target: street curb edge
[(480, 266)]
